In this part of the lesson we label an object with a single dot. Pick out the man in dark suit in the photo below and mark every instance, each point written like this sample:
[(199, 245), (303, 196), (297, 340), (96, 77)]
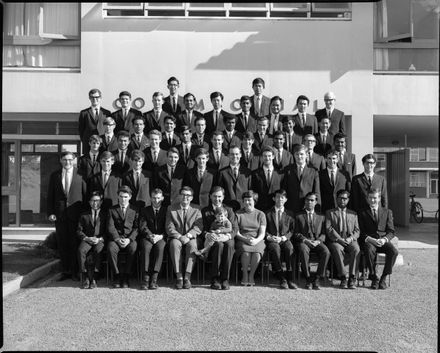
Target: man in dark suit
[(324, 138), (331, 180), (200, 179), (279, 231), (313, 160), (122, 228), (200, 138), (346, 160), (186, 148), (65, 202), (139, 180), (124, 117), (248, 159), (215, 117), (261, 138), (222, 251), (90, 121), (155, 118), (231, 137), (337, 117), (245, 120), (109, 139), (152, 239), (88, 164), (91, 231), (283, 159), (169, 137), (342, 229), (169, 177), (362, 183), (122, 154), (266, 180), (290, 137), (183, 225), (154, 155), (260, 103), (275, 118), (138, 141), (189, 115), (304, 123), (310, 237), (300, 180), (173, 104), (217, 158), (235, 179), (377, 230)]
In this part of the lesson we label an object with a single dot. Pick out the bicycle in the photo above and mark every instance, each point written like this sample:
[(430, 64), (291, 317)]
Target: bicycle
[(416, 209)]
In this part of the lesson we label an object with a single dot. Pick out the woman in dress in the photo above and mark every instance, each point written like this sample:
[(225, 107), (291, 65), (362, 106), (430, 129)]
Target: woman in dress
[(250, 237)]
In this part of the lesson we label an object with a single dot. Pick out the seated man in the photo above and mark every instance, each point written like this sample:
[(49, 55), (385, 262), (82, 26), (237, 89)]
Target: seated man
[(310, 237), (280, 227), (342, 232), (152, 239), (91, 232), (122, 228), (377, 230), (183, 225)]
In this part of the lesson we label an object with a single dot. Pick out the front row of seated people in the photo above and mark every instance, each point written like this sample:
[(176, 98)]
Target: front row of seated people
[(190, 232)]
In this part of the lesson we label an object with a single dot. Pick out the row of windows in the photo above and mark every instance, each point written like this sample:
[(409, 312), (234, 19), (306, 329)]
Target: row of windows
[(422, 154)]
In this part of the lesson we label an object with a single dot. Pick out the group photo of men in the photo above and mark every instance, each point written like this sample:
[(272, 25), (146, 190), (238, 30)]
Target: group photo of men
[(178, 185)]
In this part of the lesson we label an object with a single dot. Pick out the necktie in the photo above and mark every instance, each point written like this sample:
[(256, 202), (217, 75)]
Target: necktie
[(279, 222), (215, 118), (217, 157), (122, 157), (344, 224), (123, 212), (170, 140), (154, 156), (300, 171), (93, 158), (245, 121), (247, 156), (139, 138), (184, 222), (185, 153), (369, 180), (108, 139), (174, 104), (375, 215), (333, 178), (67, 183), (257, 111), (199, 175), (156, 115), (308, 157), (303, 120), (172, 172), (341, 159), (155, 220), (329, 113), (105, 179), (136, 179), (311, 222), (324, 139), (279, 157), (235, 172), (268, 177), (96, 114)]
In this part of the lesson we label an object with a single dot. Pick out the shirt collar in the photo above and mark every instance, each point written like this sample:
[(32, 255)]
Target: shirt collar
[(310, 212), (279, 209), (369, 175), (343, 210), (156, 209), (374, 208), (268, 168)]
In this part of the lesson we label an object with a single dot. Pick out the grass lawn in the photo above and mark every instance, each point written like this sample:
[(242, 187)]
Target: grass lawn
[(19, 259)]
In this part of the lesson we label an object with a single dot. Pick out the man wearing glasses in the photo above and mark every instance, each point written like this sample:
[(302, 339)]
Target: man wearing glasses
[(313, 160), (337, 117), (91, 120)]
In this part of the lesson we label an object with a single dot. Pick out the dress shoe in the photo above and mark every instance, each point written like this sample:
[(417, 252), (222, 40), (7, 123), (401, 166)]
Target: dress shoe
[(153, 284), (186, 283), (292, 285), (283, 284), (374, 283), (93, 284), (225, 284), (125, 283), (383, 283), (316, 284), (64, 276), (116, 282), (351, 283), (179, 283), (215, 284), (86, 284), (144, 282), (343, 284)]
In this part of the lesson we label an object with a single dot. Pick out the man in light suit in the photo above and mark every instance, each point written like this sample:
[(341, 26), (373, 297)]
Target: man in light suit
[(173, 104), (122, 229), (313, 160), (215, 118), (377, 231), (155, 118), (342, 229), (260, 103), (346, 160), (65, 202), (310, 237), (124, 116), (138, 141), (304, 123), (183, 225), (245, 120), (188, 116), (275, 118), (91, 120), (91, 231), (362, 183), (337, 117)]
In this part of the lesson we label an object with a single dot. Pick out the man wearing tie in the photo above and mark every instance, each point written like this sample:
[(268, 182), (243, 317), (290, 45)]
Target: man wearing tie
[(122, 154), (248, 159), (109, 140), (275, 118), (217, 159), (200, 138), (152, 239), (169, 136), (124, 116), (154, 118), (337, 117), (91, 232), (183, 225), (186, 148), (283, 159), (377, 231), (246, 121), (260, 103), (313, 160), (215, 117), (346, 160), (290, 137), (122, 228), (138, 140), (261, 137), (342, 229), (88, 164), (154, 155), (173, 104), (231, 137), (304, 123), (324, 138), (189, 115), (310, 238)]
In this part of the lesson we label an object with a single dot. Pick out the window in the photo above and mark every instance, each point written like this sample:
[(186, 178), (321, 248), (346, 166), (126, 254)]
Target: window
[(433, 183), (41, 35), (417, 154), (432, 154), (417, 179)]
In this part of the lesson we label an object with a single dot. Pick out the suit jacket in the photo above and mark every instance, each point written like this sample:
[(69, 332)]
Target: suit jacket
[(212, 164), (204, 142), (125, 123), (183, 119), (337, 120), (87, 228), (329, 191), (334, 228), (112, 146), (87, 126), (66, 206), (135, 145), (286, 160), (119, 167), (220, 124), (162, 159), (311, 126), (86, 168), (266, 190), (201, 188), (110, 190), (383, 228), (170, 187), (167, 106), (297, 188), (259, 144), (271, 129), (166, 145), (252, 163), (360, 188), (119, 227), (349, 164), (190, 162), (151, 123), (208, 217), (175, 223), (149, 224), (140, 194), (317, 162), (235, 140), (264, 107), (290, 144), (321, 147), (302, 228), (234, 188), (240, 124), (286, 227)]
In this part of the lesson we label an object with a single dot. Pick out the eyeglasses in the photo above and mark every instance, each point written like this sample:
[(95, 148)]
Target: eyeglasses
[(186, 195)]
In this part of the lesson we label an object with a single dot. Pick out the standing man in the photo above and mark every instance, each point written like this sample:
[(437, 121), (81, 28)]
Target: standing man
[(261, 137), (346, 160), (337, 117), (304, 123), (200, 138), (283, 159), (122, 228), (260, 103), (186, 149), (169, 136), (215, 117), (342, 229), (223, 249), (275, 118), (324, 138), (138, 140), (154, 155), (88, 164), (189, 115), (377, 230), (90, 121), (245, 120), (248, 159), (217, 159), (290, 137), (65, 202), (122, 154), (183, 225), (313, 160), (231, 137), (173, 104), (109, 140), (124, 116), (155, 118)]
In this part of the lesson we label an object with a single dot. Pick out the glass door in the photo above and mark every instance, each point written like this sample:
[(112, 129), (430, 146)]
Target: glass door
[(10, 183)]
